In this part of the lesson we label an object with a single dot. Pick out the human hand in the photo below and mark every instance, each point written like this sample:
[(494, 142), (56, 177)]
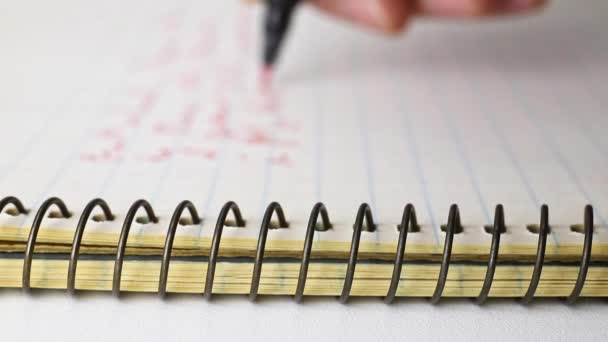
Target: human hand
[(392, 16)]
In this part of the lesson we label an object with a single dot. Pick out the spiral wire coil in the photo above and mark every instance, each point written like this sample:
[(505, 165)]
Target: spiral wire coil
[(364, 221)]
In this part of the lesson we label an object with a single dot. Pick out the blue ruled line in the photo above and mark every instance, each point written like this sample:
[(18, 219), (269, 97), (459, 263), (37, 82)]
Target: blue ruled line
[(508, 150), (410, 141), (53, 116), (268, 168), (558, 156), (510, 153), (267, 180), (318, 151), (217, 172), (583, 128), (318, 136), (369, 172), (551, 146), (464, 158)]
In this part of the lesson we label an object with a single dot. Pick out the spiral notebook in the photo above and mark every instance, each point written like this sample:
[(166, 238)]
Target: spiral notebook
[(144, 153)]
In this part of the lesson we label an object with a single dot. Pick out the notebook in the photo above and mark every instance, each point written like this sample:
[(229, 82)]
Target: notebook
[(462, 160)]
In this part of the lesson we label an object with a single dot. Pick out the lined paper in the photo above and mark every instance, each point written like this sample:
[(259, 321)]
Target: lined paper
[(163, 102)]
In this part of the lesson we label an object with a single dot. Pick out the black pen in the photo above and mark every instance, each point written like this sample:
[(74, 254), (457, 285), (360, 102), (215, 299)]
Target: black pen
[(276, 24)]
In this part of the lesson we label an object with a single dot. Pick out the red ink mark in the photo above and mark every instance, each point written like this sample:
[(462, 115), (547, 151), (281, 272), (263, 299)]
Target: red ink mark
[(267, 100), (268, 103), (221, 116), (146, 103), (189, 80), (107, 155), (219, 124), (282, 160), (111, 133), (288, 125), (244, 28), (173, 21), (206, 42), (166, 55), (161, 155), (256, 136), (183, 125), (134, 121), (88, 157), (200, 152), (119, 146), (265, 79), (228, 78), (219, 134)]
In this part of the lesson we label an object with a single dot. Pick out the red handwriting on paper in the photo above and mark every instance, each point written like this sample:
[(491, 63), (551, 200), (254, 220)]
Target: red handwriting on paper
[(267, 100), (244, 28), (147, 101), (286, 125), (114, 138), (109, 154), (229, 78), (219, 127), (173, 21), (257, 136), (189, 80), (161, 155), (206, 41), (183, 124), (200, 152), (282, 159), (111, 133), (167, 54)]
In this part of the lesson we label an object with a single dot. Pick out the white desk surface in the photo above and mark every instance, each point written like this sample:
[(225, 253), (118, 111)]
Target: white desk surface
[(100, 317)]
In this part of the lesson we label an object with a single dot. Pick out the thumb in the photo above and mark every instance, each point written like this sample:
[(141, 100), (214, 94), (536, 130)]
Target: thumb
[(389, 16)]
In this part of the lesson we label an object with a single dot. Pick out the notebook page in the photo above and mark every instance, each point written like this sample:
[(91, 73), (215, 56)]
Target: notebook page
[(164, 102)]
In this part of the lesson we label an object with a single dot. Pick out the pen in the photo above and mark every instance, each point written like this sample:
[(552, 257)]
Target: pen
[(276, 24)]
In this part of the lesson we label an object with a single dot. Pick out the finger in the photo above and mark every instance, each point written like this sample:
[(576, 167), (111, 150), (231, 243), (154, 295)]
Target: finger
[(385, 15), (474, 8)]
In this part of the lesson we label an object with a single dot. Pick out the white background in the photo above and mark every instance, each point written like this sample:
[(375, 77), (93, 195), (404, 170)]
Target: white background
[(99, 317)]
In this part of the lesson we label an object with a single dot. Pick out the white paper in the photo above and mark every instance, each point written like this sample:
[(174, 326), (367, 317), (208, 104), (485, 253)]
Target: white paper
[(162, 101)]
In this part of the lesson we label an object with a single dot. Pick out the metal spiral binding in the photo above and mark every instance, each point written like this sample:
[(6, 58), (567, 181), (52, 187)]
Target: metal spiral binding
[(585, 258), (318, 209), (540, 254), (31, 241), (177, 214), (497, 229), (274, 207), (124, 235), (452, 226), (215, 242), (364, 221), (409, 223), (364, 212), (82, 222)]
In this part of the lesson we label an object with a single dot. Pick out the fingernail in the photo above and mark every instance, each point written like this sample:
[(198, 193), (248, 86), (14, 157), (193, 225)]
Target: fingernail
[(453, 8), (520, 5), (366, 12)]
